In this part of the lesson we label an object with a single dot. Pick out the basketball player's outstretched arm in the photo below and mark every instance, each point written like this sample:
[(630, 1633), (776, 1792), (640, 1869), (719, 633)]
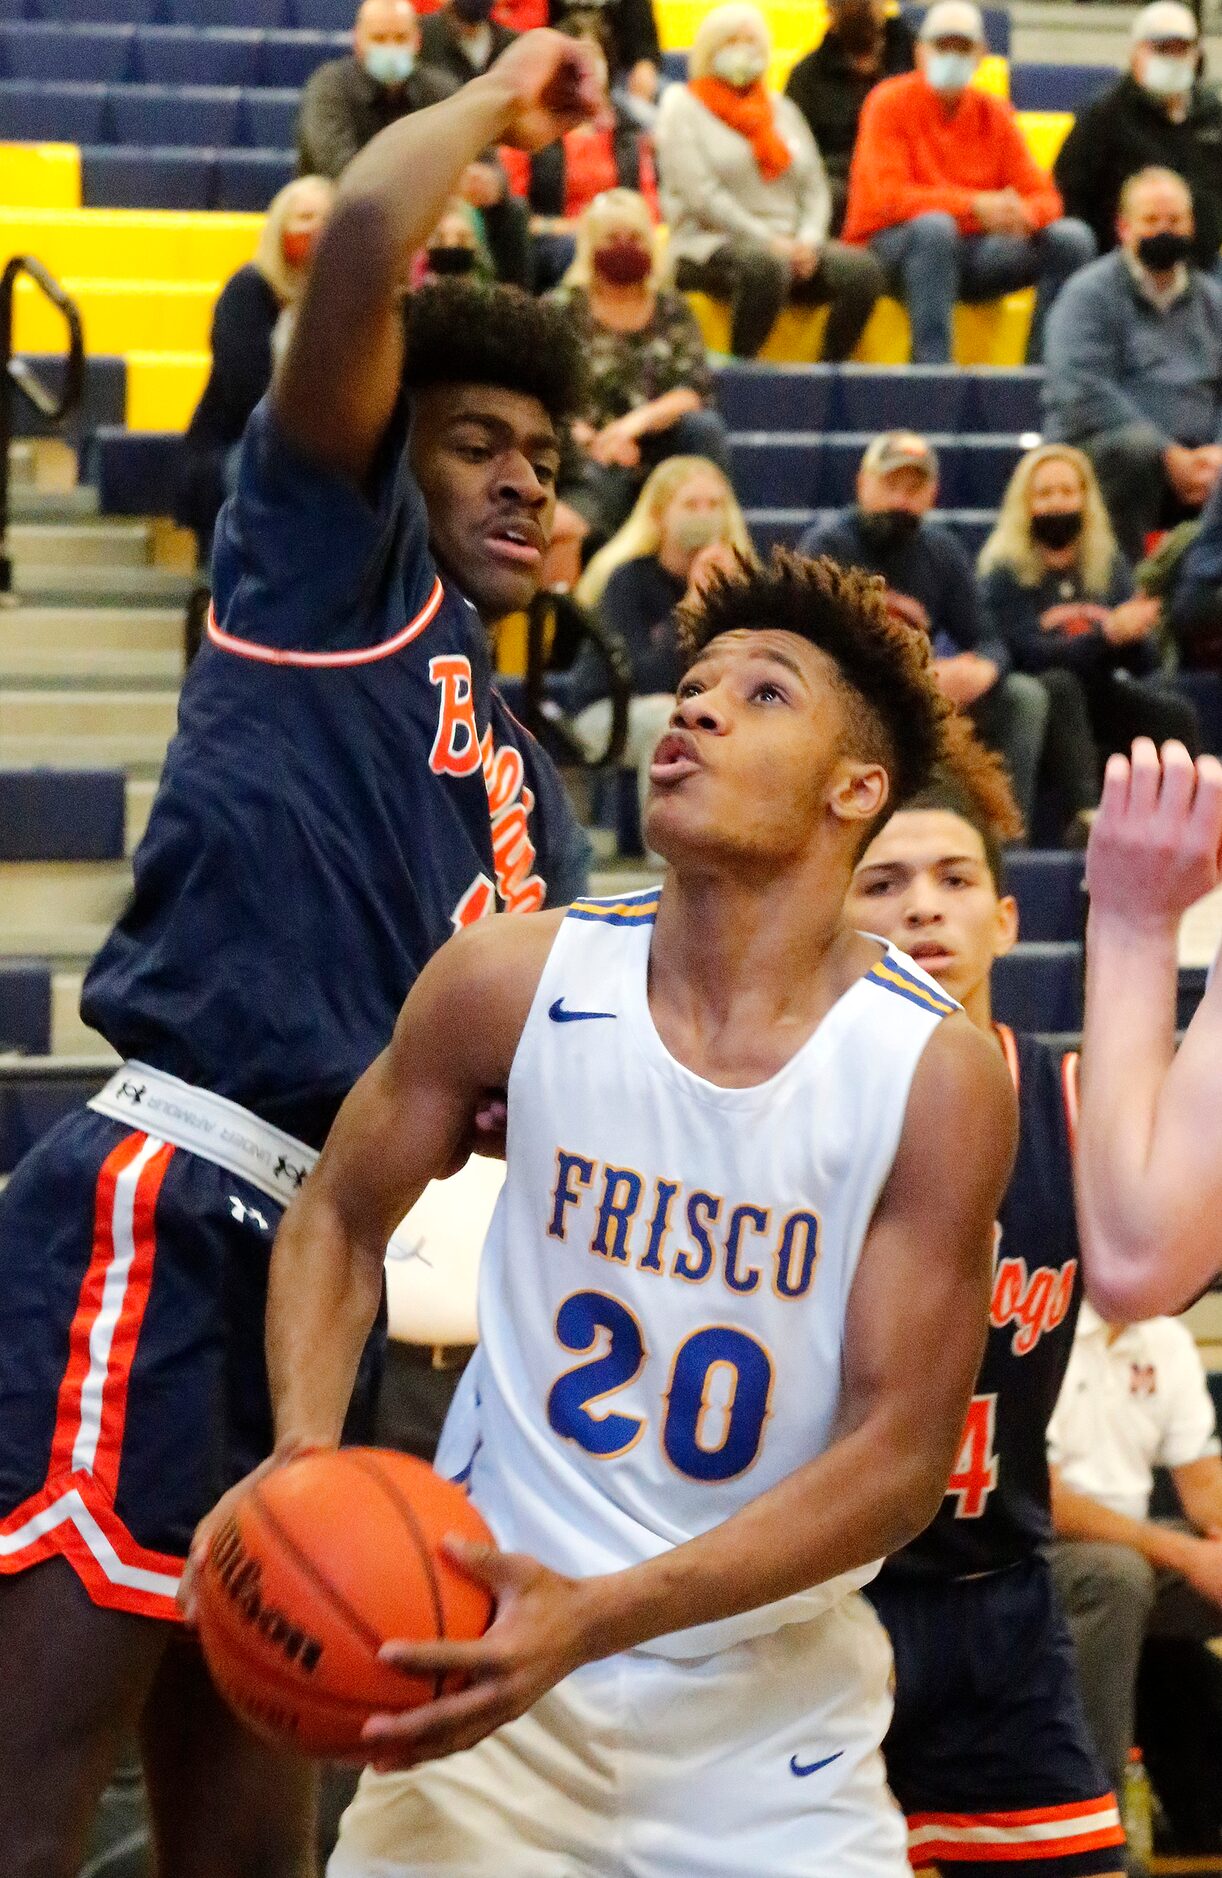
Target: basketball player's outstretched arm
[(914, 1337), (338, 383), (1149, 1164)]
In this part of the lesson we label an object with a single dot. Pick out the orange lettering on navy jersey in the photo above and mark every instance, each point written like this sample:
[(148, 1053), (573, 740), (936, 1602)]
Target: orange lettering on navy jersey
[(456, 747), (513, 848), (1036, 1304), (477, 902)]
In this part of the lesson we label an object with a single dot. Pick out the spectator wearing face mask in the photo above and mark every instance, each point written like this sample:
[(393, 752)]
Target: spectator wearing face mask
[(686, 524), (862, 45), (1055, 588), (462, 39), (746, 197), (1158, 115), (455, 247), (649, 388), (1134, 365), (244, 321), (946, 193), (931, 585), (347, 101)]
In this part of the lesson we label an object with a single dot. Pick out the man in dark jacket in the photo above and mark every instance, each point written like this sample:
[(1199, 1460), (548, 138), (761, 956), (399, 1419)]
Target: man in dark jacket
[(462, 39), (931, 585), (862, 45), (347, 101), (1160, 115)]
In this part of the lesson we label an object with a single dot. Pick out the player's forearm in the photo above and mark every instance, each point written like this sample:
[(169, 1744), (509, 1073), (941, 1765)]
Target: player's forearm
[(1077, 1516), (324, 1290), (661, 413), (865, 1497)]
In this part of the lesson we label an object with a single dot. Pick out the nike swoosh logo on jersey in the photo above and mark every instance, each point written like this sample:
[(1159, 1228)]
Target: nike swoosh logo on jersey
[(559, 1015), (795, 1766)]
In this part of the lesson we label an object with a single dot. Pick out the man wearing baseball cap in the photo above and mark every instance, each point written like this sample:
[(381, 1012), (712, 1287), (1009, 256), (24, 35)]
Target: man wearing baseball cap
[(931, 585), (1158, 115), (945, 191)]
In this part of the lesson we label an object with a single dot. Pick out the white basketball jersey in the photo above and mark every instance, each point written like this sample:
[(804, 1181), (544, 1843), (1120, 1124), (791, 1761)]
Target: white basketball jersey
[(664, 1283)]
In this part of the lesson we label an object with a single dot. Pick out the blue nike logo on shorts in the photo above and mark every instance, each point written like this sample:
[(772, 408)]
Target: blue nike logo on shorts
[(559, 1015), (795, 1766)]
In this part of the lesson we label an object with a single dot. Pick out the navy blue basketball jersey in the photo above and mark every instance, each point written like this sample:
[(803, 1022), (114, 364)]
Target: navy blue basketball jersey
[(996, 1509), (344, 790)]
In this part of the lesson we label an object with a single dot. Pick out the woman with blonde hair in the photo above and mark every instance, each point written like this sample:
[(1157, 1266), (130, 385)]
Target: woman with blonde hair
[(648, 386), (1057, 589), (745, 193), (243, 324), (686, 525)]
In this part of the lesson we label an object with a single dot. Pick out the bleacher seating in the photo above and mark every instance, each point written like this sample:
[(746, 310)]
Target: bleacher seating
[(62, 815), (25, 1006), (1049, 887), (1038, 986)]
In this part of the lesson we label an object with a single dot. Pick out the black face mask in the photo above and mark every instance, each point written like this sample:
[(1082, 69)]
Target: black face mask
[(1160, 253), (888, 528), (451, 260), (472, 12), (1057, 531)]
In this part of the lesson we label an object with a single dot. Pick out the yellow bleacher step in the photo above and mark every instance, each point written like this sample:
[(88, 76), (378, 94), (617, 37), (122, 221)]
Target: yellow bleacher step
[(40, 175), (1045, 132), (163, 388), (131, 244), (994, 333), (120, 316)]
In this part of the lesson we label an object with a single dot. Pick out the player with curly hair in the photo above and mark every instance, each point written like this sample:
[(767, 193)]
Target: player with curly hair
[(719, 1373), (989, 1752), (344, 790)]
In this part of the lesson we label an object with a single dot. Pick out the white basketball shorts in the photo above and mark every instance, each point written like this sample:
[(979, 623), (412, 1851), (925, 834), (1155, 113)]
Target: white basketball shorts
[(759, 1762)]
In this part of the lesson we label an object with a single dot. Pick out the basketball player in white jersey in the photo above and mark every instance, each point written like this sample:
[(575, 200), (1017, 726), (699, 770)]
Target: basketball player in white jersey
[(732, 1300), (1150, 1131)]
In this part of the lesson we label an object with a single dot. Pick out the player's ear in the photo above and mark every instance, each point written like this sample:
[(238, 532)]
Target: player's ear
[(859, 791), (1006, 935)]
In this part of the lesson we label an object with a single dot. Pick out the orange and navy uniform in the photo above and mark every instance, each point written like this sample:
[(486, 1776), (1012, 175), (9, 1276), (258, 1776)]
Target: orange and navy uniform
[(988, 1752)]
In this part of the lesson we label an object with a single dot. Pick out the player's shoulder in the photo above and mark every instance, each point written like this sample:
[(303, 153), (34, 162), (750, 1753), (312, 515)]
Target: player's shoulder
[(962, 1084)]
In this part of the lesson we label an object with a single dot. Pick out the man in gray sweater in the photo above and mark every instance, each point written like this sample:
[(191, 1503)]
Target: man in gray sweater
[(1133, 359)]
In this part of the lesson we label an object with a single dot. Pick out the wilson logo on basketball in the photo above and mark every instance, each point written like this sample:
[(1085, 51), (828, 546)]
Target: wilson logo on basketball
[(1036, 1304), (242, 1578)]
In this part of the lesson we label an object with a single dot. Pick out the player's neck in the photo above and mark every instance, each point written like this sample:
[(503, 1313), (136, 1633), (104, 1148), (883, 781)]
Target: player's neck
[(721, 945), (978, 1005)]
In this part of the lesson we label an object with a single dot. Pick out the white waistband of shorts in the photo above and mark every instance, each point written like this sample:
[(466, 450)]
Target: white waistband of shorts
[(209, 1125)]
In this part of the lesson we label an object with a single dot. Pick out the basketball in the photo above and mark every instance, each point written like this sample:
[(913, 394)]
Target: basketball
[(324, 1561)]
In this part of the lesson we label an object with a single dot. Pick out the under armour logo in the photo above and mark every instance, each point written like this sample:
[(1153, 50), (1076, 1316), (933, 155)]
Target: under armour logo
[(295, 1174), (241, 1212), (134, 1091)]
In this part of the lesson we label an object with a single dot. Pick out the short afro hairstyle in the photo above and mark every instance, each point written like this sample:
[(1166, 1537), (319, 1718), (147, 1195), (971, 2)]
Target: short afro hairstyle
[(897, 714), (974, 784), (463, 333)]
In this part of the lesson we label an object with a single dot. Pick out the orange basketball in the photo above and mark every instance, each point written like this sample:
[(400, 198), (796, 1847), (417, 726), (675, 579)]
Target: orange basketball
[(323, 1561)]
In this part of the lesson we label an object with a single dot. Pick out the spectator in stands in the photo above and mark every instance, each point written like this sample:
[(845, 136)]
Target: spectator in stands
[(348, 101), (454, 247), (686, 523), (863, 44), (631, 33), (461, 39), (608, 151), (1059, 593), (1160, 114), (1134, 1397), (945, 191), (1134, 365), (931, 585), (649, 388), (746, 197), (243, 323)]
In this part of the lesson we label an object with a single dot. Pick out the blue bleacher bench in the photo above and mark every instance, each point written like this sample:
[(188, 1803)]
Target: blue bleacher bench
[(927, 398), (104, 400), (805, 469), (25, 1006), (1056, 87), (62, 815), (784, 528), (1039, 986), (1049, 887)]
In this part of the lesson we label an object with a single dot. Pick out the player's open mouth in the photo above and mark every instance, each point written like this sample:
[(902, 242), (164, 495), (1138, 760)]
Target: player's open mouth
[(931, 955), (674, 759), (519, 542)]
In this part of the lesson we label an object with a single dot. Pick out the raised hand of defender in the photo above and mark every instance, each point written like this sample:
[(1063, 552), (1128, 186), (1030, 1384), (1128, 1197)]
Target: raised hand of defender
[(1155, 845), (538, 1636), (555, 82)]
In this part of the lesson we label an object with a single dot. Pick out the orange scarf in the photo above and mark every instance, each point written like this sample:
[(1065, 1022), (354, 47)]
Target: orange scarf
[(750, 113)]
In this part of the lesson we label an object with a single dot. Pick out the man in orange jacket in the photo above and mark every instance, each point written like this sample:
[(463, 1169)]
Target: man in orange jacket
[(945, 191)]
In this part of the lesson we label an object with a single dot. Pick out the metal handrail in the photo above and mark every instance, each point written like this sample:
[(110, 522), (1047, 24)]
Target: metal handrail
[(18, 376)]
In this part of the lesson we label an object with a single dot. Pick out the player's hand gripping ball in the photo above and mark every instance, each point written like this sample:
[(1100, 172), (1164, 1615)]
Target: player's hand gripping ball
[(323, 1561)]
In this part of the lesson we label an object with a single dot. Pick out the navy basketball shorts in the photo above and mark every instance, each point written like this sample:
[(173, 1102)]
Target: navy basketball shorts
[(988, 1752), (133, 1388)]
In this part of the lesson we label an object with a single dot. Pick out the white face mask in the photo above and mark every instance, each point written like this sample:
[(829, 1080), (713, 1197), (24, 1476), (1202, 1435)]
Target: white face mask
[(739, 65), (390, 65), (1165, 77), (949, 71)]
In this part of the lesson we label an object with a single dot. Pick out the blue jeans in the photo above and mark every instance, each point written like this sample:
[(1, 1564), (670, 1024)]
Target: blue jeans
[(930, 264)]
